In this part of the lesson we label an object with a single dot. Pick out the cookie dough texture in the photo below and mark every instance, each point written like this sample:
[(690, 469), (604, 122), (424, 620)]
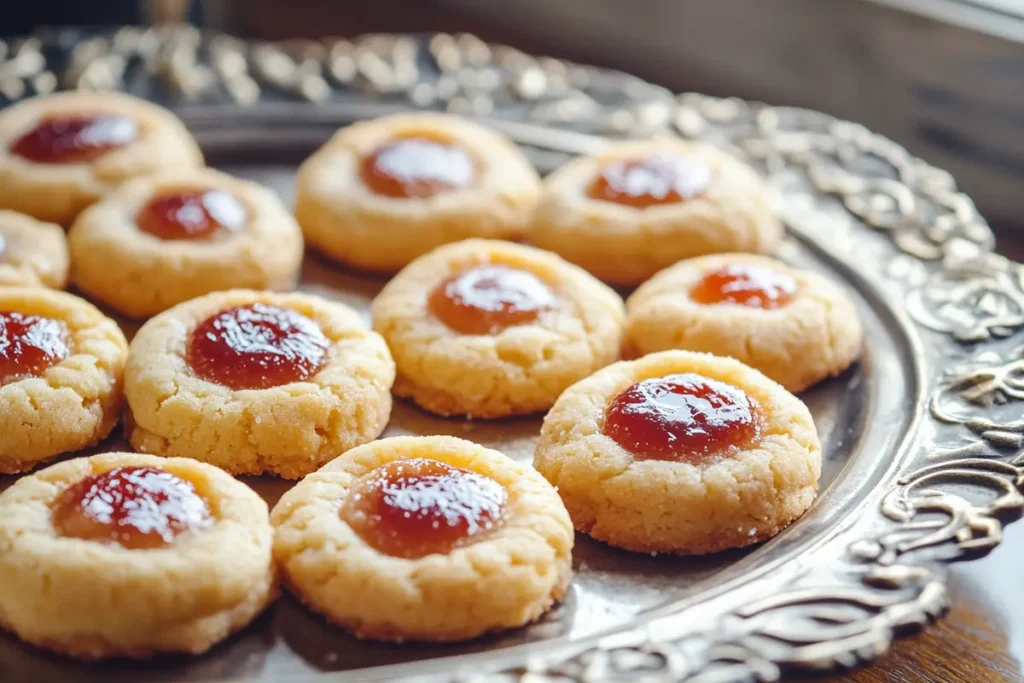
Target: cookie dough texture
[(94, 600), (288, 430), (815, 336), (728, 501), (32, 253), (505, 580), (140, 275), (625, 245), (58, 192), (521, 369), (349, 222), (73, 404)]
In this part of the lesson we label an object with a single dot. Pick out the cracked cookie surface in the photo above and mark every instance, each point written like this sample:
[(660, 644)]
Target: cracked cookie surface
[(32, 253), (729, 497), (815, 333), (348, 221), (505, 579), (70, 404), (58, 191), (729, 210), (141, 274), (92, 599), (520, 369), (287, 430)]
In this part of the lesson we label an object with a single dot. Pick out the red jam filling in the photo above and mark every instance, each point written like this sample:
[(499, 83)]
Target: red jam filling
[(257, 346), (135, 507), (412, 508), (417, 166), (683, 417), (192, 214), (651, 181), (747, 284), (29, 344), (71, 139), (487, 299)]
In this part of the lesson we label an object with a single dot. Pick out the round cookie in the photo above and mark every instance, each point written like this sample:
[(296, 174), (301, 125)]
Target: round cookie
[(127, 555), (60, 153), (490, 329), (32, 253), (257, 382), (625, 214), (440, 539), (61, 368), (680, 452), (793, 325), (381, 193), (166, 238)]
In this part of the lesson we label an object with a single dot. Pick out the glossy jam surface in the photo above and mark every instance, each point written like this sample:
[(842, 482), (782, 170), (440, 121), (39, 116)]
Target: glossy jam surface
[(651, 181), (192, 214), (417, 167), (747, 284), (682, 417), (71, 139), (487, 299), (257, 346), (412, 508), (29, 344), (135, 507)]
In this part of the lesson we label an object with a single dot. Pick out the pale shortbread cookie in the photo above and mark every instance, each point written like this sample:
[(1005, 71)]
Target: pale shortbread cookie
[(287, 430), (58, 192), (815, 336), (140, 275), (521, 369), (93, 600), (349, 222), (625, 245), (76, 402), (506, 579), (678, 507), (32, 253)]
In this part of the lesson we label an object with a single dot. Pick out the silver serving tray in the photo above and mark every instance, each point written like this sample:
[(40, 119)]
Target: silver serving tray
[(921, 438)]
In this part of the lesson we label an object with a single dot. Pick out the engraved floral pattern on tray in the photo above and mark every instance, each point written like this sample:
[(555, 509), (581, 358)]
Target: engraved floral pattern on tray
[(847, 189)]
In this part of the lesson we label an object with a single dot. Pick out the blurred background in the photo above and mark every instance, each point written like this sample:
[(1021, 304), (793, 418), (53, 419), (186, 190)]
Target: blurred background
[(943, 77)]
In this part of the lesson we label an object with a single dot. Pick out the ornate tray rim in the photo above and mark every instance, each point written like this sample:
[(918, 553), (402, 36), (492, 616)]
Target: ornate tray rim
[(881, 570)]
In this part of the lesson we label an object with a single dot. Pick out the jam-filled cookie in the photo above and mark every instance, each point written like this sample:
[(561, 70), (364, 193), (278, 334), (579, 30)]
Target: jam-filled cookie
[(380, 193), (61, 366), (60, 153), (127, 555), (793, 325), (489, 328), (424, 538), (170, 237), (32, 253), (257, 382), (641, 206), (680, 452)]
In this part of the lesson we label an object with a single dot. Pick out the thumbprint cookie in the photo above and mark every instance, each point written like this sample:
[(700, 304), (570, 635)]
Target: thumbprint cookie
[(680, 452), (257, 382), (167, 238), (127, 555), (61, 368), (793, 325), (60, 153), (32, 253), (381, 193), (641, 206), (490, 329), (424, 538)]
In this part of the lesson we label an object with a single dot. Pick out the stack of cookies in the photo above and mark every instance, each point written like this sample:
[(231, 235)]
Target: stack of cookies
[(501, 304)]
